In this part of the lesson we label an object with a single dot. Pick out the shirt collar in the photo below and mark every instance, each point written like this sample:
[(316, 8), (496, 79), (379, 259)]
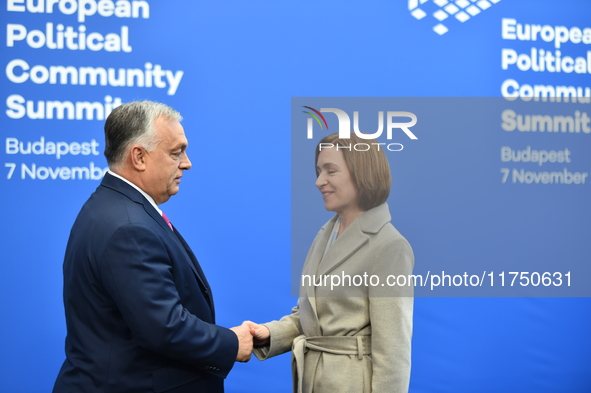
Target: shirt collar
[(149, 198)]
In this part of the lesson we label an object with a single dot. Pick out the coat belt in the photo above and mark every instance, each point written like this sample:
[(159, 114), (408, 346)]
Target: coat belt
[(337, 345)]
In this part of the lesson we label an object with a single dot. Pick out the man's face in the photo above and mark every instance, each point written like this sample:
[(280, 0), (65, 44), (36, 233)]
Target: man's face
[(166, 163)]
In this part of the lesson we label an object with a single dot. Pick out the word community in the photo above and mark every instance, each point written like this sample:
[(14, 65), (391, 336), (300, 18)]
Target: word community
[(19, 71)]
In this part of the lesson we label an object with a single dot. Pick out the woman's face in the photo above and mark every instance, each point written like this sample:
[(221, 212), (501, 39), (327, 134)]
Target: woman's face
[(334, 182)]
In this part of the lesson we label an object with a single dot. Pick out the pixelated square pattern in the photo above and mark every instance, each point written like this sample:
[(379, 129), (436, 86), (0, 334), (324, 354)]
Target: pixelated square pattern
[(462, 10)]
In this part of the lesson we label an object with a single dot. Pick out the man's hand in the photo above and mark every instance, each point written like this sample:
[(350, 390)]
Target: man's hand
[(244, 342), (260, 333)]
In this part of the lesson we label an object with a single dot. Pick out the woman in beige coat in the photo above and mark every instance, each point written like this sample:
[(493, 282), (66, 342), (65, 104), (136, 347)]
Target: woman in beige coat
[(355, 336)]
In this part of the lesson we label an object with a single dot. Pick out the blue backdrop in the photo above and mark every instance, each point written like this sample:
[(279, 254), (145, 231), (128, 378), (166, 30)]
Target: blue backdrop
[(232, 68)]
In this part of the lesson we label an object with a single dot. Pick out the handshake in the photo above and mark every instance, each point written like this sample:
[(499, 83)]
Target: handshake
[(250, 334)]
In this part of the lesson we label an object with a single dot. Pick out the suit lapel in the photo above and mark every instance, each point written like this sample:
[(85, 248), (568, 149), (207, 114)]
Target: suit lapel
[(179, 239), (197, 270), (195, 263), (192, 260), (119, 185)]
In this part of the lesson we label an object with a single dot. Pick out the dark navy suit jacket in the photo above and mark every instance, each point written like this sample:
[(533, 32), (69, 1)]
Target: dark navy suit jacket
[(139, 310)]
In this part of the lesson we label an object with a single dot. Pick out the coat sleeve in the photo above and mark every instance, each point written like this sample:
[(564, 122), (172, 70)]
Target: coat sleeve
[(391, 312), (283, 332), (136, 271)]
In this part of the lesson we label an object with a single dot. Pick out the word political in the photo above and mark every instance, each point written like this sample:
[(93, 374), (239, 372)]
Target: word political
[(19, 71), (540, 60), (62, 37), (83, 8)]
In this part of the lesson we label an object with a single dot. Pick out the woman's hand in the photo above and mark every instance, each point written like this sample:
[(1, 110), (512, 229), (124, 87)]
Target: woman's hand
[(260, 333)]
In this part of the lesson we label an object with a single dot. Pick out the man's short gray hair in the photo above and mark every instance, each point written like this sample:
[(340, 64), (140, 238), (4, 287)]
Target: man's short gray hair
[(133, 124)]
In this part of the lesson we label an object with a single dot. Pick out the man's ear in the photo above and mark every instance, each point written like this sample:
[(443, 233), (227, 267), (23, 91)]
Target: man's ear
[(138, 156)]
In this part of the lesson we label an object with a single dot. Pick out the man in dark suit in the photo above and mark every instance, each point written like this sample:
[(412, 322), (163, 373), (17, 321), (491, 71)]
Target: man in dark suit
[(139, 310)]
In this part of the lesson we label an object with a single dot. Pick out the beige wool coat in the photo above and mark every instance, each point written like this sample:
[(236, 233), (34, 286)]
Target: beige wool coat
[(354, 337)]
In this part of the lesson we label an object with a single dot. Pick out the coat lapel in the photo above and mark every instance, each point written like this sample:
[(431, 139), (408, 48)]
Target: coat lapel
[(350, 241), (354, 237)]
